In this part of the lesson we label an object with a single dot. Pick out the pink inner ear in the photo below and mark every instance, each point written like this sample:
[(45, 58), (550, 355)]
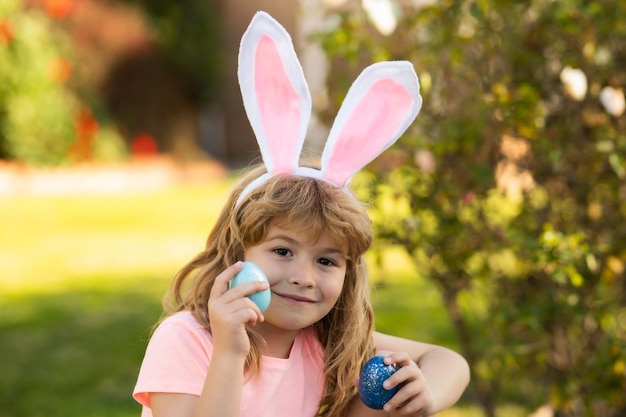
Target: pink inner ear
[(278, 106), (372, 125)]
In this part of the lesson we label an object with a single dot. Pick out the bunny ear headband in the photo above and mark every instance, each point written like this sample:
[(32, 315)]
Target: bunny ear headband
[(380, 105)]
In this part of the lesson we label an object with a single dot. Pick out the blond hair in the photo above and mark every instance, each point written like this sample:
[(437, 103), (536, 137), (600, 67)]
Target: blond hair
[(311, 206)]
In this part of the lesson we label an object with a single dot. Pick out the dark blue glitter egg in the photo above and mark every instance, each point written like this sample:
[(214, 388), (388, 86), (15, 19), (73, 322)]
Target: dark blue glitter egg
[(371, 390)]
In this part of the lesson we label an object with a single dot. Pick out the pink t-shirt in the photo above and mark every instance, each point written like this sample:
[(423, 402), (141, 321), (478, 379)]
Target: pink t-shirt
[(178, 357)]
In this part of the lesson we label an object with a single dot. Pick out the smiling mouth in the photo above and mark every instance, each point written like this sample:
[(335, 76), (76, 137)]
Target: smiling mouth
[(295, 298)]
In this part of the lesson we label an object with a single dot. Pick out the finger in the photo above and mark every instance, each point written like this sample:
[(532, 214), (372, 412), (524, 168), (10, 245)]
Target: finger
[(256, 316), (398, 358), (249, 314), (403, 375), (236, 312), (406, 369), (413, 394), (412, 406), (243, 290), (407, 396), (220, 285)]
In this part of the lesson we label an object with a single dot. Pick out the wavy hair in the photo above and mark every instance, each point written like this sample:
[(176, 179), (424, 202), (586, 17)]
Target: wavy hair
[(312, 207)]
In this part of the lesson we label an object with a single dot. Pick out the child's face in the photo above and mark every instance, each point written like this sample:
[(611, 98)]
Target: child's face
[(305, 278)]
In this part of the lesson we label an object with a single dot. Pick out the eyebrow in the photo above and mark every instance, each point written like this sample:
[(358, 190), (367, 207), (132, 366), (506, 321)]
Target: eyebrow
[(296, 242)]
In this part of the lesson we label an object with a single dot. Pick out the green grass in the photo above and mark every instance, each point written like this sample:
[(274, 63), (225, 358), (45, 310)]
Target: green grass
[(406, 305), (81, 281)]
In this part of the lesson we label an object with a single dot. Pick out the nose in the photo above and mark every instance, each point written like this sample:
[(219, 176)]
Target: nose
[(302, 275)]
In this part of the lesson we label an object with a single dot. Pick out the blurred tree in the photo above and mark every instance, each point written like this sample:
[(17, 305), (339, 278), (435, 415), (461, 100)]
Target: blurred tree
[(169, 68), (189, 34), (146, 67), (509, 193), (36, 110), (43, 118)]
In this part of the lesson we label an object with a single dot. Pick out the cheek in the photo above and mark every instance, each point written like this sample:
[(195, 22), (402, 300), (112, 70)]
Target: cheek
[(333, 288), (272, 273)]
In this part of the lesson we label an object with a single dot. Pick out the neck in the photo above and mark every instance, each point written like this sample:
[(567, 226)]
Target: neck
[(278, 342)]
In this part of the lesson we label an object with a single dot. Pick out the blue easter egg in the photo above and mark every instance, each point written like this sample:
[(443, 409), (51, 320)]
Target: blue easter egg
[(371, 390), (252, 273)]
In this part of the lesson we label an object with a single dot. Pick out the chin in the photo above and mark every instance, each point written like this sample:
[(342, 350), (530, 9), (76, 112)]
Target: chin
[(290, 323)]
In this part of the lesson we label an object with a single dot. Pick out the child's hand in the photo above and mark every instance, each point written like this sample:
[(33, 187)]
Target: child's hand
[(230, 310), (414, 397)]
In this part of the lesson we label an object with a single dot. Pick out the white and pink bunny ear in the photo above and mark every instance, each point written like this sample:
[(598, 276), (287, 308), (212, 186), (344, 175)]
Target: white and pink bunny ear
[(380, 105), (275, 94)]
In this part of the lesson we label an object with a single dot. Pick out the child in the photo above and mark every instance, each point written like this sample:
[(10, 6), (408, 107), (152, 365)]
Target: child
[(216, 353)]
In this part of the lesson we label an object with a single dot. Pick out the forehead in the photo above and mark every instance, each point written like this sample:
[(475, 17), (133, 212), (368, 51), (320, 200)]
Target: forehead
[(311, 235)]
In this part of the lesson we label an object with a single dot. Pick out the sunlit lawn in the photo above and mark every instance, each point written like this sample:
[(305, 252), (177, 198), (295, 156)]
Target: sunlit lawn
[(81, 279)]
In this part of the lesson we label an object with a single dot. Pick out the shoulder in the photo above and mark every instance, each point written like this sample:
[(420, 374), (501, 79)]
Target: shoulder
[(182, 329), (176, 359), (184, 318), (179, 343)]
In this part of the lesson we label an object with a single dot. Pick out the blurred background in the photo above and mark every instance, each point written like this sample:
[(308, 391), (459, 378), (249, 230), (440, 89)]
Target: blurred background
[(499, 216)]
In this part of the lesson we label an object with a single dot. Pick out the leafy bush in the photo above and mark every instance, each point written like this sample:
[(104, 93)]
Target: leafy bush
[(508, 193), (42, 118)]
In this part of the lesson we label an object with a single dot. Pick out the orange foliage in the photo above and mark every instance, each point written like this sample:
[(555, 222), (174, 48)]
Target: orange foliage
[(60, 69), (6, 32), (86, 128), (144, 145), (58, 9)]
